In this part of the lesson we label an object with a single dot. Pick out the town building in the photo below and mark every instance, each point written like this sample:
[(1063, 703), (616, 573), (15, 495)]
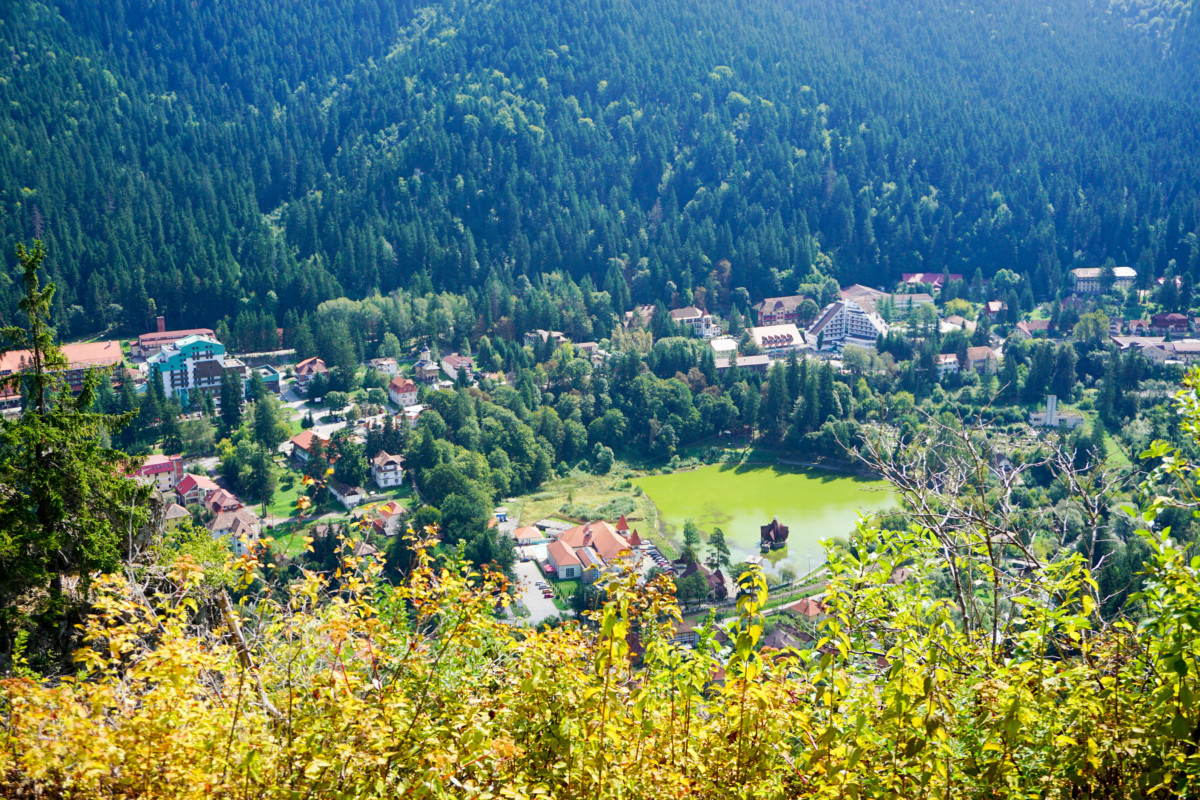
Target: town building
[(1053, 418), (81, 358), (994, 308), (308, 369), (696, 321), (387, 470), (1089, 280), (778, 341), (587, 551), (1173, 324), (982, 359), (453, 364), (539, 336), (241, 525), (271, 378), (385, 366), (760, 364), (388, 518), (194, 366), (846, 322), (410, 414), (175, 515), (780, 310), (723, 346), (222, 500), (866, 297), (946, 363), (148, 344), (193, 489), (1027, 329), (348, 496), (936, 280), (163, 472), (302, 445), (402, 391)]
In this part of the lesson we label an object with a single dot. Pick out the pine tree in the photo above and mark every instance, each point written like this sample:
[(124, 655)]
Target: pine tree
[(67, 507)]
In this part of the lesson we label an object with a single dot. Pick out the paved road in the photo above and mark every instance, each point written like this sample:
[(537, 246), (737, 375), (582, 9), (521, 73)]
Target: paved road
[(540, 608)]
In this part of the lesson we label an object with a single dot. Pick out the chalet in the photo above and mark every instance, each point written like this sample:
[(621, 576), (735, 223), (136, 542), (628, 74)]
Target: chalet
[(539, 336), (385, 366), (957, 322), (1027, 329), (780, 310), (453, 364), (773, 536), (302, 445), (1140, 327), (1173, 324), (193, 489), (306, 370), (809, 607), (163, 472), (387, 519), (241, 525), (994, 308), (222, 500), (387, 470), (348, 496), (175, 516), (982, 359), (403, 391)]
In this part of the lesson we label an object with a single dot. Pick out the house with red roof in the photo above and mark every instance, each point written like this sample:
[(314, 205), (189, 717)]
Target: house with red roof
[(163, 472), (194, 489), (403, 391), (302, 445), (306, 370), (562, 559), (591, 549), (222, 500)]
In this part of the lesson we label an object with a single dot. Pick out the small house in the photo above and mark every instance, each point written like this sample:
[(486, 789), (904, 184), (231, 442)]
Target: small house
[(773, 535)]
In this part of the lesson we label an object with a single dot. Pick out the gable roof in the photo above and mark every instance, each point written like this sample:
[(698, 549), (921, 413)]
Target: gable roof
[(562, 555), (190, 482), (775, 305), (774, 532), (223, 497), (601, 536), (384, 458), (980, 353), (527, 533), (176, 511), (310, 366), (402, 385), (304, 439), (689, 312), (237, 522)]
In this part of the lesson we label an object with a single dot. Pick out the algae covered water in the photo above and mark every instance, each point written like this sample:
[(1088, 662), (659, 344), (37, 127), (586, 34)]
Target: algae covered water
[(814, 504)]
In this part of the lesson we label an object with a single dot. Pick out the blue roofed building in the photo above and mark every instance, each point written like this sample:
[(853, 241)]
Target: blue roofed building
[(194, 366)]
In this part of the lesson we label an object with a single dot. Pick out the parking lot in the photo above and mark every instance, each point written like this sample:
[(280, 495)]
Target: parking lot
[(540, 608)]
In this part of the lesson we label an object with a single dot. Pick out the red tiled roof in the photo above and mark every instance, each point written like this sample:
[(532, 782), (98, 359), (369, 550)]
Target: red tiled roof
[(304, 439)]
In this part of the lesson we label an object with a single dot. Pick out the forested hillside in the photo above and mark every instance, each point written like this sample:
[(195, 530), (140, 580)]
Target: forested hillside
[(204, 158)]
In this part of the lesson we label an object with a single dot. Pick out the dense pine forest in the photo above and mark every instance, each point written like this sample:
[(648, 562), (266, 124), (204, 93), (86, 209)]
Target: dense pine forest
[(205, 160)]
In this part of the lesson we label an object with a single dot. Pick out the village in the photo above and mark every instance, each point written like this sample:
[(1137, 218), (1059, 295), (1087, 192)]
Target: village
[(558, 555)]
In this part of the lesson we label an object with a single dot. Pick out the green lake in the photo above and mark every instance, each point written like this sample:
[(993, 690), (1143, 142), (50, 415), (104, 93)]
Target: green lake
[(814, 504)]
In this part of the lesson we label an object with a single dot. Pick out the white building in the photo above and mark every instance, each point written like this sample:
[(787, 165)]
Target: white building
[(777, 341), (696, 321), (403, 391), (387, 470), (1088, 279), (845, 322)]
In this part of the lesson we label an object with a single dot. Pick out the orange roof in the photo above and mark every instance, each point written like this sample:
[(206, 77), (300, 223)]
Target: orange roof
[(527, 533), (310, 365), (635, 540), (304, 439), (190, 482), (166, 337), (600, 536), (622, 525), (79, 356), (402, 385), (561, 555)]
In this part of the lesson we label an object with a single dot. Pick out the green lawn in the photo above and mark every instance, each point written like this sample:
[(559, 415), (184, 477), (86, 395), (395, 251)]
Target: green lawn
[(564, 591), (283, 504)]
